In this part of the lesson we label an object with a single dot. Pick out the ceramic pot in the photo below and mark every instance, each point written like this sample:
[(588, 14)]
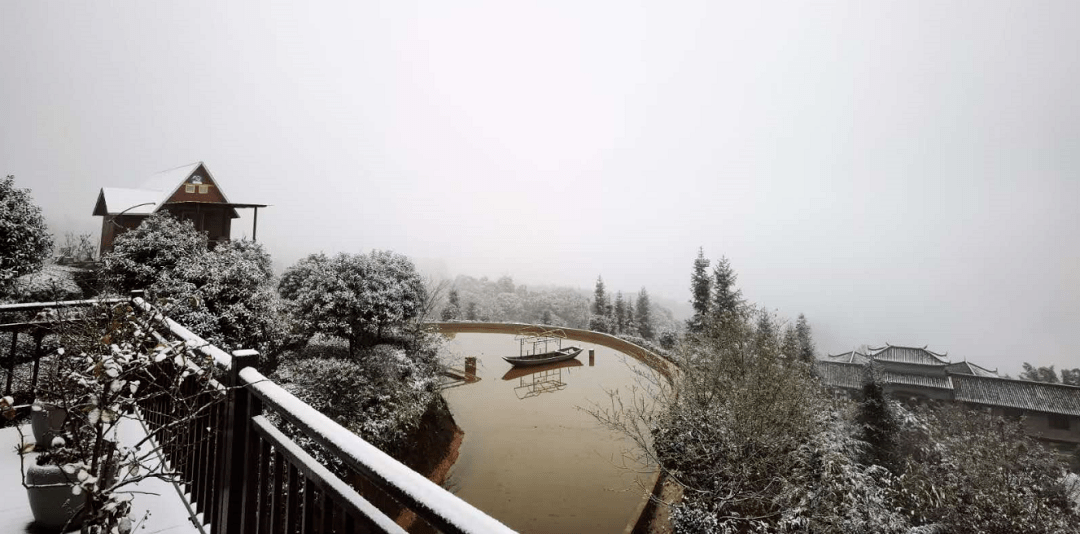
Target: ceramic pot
[(51, 500), (46, 423)]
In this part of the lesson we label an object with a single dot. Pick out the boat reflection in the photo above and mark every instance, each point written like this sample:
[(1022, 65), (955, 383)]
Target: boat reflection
[(539, 379)]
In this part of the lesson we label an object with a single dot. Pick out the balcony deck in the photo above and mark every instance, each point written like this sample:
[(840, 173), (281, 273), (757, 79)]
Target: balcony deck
[(168, 511)]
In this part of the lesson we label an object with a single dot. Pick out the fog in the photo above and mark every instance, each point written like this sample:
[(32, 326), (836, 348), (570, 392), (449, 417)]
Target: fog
[(901, 172)]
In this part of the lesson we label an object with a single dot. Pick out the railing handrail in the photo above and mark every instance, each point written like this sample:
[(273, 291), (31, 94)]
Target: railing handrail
[(434, 504), (29, 306)]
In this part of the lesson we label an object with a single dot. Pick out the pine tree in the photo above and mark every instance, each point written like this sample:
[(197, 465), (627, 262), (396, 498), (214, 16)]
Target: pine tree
[(789, 347), (727, 301), (644, 315), (806, 350), (631, 324), (879, 424), (599, 298), (765, 335), (471, 312), (699, 291), (620, 313)]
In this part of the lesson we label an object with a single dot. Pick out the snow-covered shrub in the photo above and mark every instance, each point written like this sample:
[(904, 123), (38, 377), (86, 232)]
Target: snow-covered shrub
[(668, 339), (381, 396), (972, 472), (25, 242), (225, 295)]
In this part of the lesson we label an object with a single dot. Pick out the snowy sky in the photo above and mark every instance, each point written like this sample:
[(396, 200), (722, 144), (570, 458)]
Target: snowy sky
[(902, 172)]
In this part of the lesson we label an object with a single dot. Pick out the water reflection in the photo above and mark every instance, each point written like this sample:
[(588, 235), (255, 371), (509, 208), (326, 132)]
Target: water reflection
[(539, 379)]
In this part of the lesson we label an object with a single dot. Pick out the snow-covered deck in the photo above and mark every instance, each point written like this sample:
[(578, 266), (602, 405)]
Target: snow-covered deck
[(168, 512)]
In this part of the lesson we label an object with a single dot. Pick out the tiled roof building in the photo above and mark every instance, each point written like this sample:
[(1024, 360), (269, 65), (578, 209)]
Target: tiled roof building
[(1052, 411)]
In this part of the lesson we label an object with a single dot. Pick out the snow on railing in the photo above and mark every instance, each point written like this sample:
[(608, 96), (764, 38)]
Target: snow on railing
[(442, 509)]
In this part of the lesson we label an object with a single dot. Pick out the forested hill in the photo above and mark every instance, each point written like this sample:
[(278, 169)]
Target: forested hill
[(483, 299)]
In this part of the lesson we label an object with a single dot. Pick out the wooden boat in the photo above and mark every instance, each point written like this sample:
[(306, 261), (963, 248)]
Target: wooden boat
[(524, 371), (560, 355)]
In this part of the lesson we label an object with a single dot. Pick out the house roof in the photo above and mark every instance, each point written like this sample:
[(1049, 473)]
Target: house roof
[(971, 388), (116, 200), (968, 368), (1034, 396), (154, 192), (911, 355), (912, 379), (853, 356), (843, 375)]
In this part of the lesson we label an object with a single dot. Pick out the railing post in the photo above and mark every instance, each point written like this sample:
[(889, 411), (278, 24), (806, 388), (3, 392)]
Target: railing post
[(239, 441)]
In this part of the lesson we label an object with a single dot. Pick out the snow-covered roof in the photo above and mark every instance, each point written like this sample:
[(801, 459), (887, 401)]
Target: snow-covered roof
[(853, 356), (114, 200), (968, 368), (912, 355), (1034, 396), (154, 192)]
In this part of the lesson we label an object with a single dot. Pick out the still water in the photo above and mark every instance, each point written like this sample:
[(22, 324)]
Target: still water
[(532, 457)]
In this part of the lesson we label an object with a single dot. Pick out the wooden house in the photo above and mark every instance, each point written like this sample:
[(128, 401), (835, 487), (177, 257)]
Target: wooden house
[(188, 192)]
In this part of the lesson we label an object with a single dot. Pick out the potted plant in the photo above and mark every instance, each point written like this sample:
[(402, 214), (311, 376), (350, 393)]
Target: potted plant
[(110, 362)]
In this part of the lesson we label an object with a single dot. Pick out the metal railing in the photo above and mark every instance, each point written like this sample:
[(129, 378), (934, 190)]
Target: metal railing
[(244, 474)]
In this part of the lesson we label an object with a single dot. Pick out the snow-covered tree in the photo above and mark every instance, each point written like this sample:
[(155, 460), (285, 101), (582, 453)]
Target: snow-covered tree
[(727, 302), (359, 297), (620, 313), (599, 306), (700, 287), (452, 311), (805, 338), (25, 242), (644, 315)]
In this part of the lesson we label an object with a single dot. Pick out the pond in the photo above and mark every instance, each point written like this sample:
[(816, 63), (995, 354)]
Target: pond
[(532, 456)]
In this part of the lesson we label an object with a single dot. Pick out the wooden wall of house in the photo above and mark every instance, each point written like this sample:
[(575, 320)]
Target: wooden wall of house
[(216, 221), (113, 226)]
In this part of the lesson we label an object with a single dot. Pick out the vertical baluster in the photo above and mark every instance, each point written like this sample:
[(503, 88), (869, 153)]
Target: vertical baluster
[(37, 361), (265, 487), (278, 489), (308, 521), (11, 361), (326, 516)]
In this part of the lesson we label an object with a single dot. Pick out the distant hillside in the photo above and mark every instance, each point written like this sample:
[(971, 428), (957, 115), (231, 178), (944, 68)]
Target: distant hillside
[(503, 300)]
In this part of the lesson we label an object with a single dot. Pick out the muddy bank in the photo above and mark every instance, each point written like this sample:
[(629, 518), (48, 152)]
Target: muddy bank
[(432, 450)]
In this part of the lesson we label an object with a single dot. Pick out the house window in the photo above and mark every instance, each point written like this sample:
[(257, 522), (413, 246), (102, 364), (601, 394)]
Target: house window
[(189, 189), (1058, 421), (203, 189)]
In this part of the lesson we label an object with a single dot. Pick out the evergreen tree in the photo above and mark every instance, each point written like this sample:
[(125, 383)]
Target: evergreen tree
[(699, 291), (879, 423), (1070, 377), (644, 315), (620, 313), (806, 351), (631, 325), (471, 312), (765, 335), (789, 347), (599, 298), (727, 301)]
